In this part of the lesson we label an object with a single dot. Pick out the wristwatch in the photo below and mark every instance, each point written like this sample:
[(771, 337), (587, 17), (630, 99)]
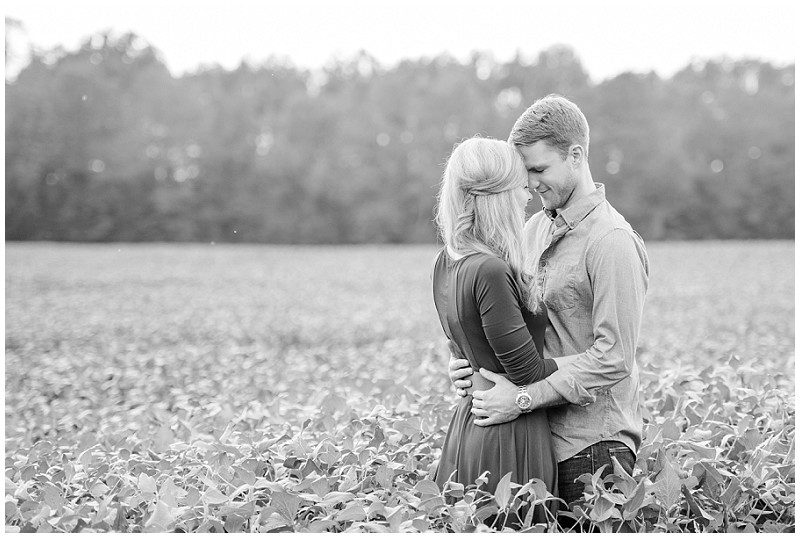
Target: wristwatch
[(523, 400)]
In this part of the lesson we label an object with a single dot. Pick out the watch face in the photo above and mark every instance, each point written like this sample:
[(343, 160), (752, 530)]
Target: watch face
[(523, 401)]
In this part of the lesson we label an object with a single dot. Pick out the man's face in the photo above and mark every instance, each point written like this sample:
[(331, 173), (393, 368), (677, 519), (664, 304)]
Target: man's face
[(549, 174)]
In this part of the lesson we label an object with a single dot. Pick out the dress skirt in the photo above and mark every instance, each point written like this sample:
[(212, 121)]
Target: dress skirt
[(522, 447)]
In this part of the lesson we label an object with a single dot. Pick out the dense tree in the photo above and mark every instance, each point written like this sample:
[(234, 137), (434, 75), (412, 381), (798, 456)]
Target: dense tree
[(103, 144)]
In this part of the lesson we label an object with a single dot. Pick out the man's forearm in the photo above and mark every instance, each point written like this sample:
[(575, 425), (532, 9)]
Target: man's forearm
[(544, 395), (498, 405)]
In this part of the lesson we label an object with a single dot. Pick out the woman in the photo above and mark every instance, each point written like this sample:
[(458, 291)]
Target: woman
[(491, 313)]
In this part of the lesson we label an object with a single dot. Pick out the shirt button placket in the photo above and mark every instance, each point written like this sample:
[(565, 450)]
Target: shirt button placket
[(542, 272)]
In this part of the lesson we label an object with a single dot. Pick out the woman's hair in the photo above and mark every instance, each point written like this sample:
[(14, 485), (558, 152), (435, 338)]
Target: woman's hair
[(476, 210)]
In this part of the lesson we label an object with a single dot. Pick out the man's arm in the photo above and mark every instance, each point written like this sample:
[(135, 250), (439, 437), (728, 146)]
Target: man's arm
[(498, 404), (618, 269)]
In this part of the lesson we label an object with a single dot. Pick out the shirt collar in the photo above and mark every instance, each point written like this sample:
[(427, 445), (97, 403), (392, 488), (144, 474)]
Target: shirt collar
[(581, 207)]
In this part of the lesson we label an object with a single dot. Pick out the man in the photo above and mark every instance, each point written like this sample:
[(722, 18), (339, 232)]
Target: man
[(592, 272)]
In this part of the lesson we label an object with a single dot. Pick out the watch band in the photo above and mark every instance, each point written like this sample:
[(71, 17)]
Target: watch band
[(523, 399)]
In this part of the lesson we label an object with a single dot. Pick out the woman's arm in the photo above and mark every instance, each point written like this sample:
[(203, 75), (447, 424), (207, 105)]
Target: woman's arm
[(498, 297)]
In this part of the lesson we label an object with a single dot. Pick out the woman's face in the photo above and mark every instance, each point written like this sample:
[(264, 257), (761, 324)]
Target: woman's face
[(522, 196)]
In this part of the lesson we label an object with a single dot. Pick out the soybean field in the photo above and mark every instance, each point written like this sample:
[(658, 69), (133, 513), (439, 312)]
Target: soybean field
[(202, 387)]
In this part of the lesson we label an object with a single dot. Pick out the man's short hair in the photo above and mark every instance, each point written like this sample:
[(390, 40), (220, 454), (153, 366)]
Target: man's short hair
[(554, 119)]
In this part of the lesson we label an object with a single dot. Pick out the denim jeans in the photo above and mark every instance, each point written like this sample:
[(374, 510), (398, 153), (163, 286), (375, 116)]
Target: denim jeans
[(589, 460)]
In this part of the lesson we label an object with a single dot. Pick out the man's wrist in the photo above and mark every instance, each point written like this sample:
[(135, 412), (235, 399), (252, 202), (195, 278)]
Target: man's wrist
[(523, 399), (543, 395)]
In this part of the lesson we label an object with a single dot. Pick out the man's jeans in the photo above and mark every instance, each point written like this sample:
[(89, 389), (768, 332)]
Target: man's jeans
[(589, 460)]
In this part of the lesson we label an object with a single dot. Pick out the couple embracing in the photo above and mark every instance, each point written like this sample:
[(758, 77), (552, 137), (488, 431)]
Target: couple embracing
[(542, 317)]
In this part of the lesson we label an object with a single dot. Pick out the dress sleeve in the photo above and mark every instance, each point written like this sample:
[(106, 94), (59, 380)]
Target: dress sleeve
[(498, 298)]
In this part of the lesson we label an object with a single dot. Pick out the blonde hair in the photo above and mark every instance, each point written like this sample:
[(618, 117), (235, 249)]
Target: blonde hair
[(476, 210)]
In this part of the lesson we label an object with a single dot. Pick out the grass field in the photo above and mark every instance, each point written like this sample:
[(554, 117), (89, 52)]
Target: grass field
[(141, 376)]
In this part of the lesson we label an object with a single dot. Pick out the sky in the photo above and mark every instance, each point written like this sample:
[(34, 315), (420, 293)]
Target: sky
[(609, 37)]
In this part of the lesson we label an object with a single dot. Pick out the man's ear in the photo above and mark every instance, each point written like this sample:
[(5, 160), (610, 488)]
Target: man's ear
[(576, 155)]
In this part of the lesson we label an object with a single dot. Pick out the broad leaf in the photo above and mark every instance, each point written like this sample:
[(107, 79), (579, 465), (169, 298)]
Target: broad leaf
[(353, 512), (160, 519), (502, 493), (427, 487), (147, 485), (286, 504), (214, 496), (601, 510), (53, 496), (667, 487)]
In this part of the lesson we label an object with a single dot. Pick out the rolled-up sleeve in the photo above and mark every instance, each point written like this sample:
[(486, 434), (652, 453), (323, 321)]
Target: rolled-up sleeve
[(618, 270)]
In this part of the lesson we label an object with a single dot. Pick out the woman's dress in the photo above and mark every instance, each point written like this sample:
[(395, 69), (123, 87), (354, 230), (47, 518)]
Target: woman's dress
[(480, 307)]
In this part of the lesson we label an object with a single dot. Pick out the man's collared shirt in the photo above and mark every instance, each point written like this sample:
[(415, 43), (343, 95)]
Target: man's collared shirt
[(592, 273)]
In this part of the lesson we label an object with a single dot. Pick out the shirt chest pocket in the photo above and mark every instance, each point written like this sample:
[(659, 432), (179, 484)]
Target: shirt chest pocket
[(560, 291)]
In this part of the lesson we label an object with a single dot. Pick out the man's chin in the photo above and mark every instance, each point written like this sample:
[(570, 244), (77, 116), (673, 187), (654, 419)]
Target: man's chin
[(550, 205)]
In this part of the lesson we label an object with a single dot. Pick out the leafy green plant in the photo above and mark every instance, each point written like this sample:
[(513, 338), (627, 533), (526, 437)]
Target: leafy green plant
[(164, 406)]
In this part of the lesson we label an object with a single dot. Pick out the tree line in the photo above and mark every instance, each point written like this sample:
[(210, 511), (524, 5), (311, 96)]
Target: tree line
[(104, 144)]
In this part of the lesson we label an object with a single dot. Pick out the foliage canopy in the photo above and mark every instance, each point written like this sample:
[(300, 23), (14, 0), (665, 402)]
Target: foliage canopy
[(104, 144)]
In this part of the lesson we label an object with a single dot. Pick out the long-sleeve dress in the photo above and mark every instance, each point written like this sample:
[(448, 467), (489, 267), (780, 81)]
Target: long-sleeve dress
[(480, 307)]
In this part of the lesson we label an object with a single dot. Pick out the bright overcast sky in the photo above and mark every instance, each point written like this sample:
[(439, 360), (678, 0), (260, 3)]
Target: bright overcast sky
[(608, 36)]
